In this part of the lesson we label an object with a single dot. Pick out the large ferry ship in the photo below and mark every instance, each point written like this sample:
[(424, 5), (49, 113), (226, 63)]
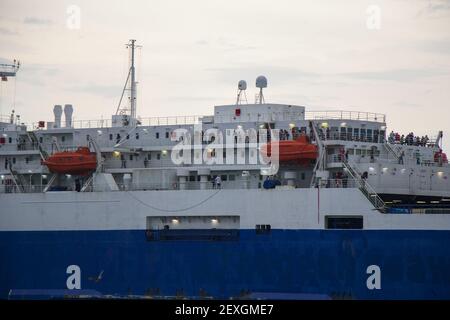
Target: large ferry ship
[(257, 200)]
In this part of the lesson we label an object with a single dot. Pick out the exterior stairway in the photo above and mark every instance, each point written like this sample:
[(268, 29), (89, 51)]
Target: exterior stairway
[(35, 143), (393, 149), (15, 178), (365, 187)]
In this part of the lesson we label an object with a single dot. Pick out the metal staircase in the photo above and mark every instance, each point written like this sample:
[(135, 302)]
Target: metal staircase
[(50, 182), (365, 188), (35, 143), (393, 149), (14, 177), (321, 158), (87, 184)]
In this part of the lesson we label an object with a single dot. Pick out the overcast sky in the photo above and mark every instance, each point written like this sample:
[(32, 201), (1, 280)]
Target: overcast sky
[(390, 56)]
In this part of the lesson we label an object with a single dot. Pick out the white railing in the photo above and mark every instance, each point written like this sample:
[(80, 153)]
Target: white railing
[(4, 118), (345, 115), (11, 187), (195, 119)]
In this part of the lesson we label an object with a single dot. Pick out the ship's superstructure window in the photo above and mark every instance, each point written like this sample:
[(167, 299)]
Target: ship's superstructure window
[(63, 138), (9, 140), (137, 135), (349, 133), (41, 140), (375, 135), (167, 135), (342, 222), (158, 156), (343, 133), (362, 134), (369, 135), (157, 135), (263, 228), (110, 136), (356, 134)]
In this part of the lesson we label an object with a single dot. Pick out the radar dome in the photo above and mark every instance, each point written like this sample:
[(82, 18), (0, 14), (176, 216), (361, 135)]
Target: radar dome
[(261, 82), (242, 85)]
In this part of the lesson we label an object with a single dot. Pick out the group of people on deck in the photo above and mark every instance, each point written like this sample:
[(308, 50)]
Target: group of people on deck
[(410, 139)]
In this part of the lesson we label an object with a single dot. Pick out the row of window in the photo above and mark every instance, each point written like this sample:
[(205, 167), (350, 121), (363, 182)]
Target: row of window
[(136, 135), (356, 134)]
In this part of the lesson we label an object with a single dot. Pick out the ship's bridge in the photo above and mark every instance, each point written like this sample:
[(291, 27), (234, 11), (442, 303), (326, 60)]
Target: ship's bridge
[(267, 112)]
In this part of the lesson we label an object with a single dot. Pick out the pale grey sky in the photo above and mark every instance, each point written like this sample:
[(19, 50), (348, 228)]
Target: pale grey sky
[(320, 54)]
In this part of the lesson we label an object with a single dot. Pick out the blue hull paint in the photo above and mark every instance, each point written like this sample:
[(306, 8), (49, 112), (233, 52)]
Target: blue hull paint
[(414, 264)]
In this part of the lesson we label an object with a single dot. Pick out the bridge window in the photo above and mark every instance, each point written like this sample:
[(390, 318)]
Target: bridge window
[(363, 135), (369, 135), (349, 134), (375, 135), (340, 222), (356, 134), (343, 133)]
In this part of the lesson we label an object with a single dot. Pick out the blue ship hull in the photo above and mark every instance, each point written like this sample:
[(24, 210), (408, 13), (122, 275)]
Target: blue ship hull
[(333, 263)]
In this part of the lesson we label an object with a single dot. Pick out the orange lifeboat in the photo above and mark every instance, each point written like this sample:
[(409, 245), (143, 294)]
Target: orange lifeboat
[(299, 150), (79, 162)]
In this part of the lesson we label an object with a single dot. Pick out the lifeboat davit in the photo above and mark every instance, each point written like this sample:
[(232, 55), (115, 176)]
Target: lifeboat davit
[(79, 162), (299, 150)]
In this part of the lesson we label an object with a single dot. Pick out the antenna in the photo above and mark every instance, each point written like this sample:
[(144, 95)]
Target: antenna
[(130, 85), (242, 86), (6, 71), (9, 70), (261, 82)]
